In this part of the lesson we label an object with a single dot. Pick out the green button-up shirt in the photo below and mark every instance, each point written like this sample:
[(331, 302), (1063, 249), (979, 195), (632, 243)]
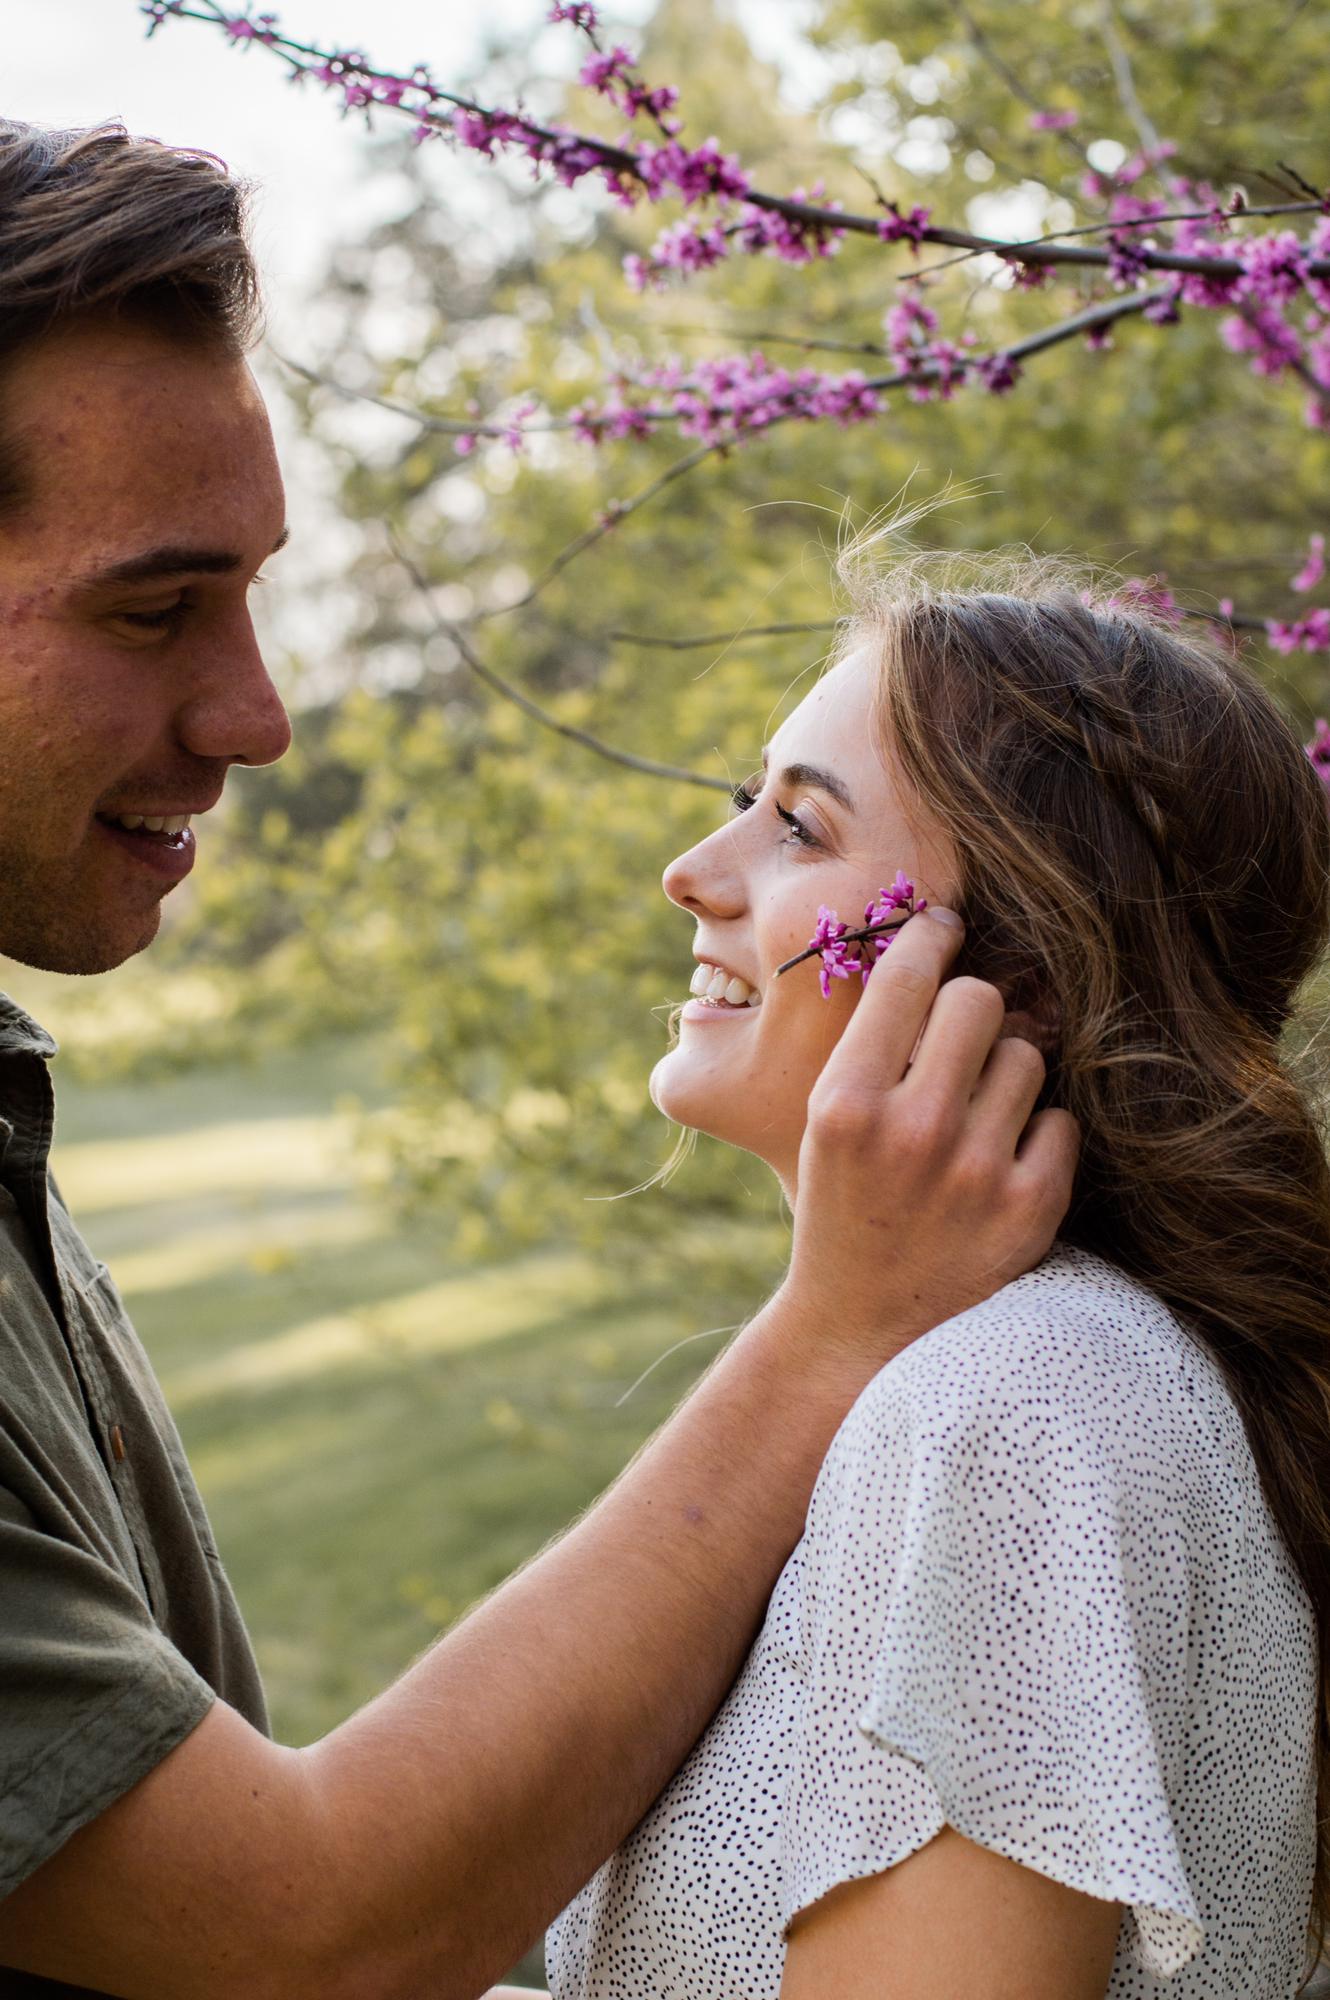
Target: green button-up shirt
[(118, 1628)]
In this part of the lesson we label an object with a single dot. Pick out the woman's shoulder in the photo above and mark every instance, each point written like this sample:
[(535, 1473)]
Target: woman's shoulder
[(1076, 1349)]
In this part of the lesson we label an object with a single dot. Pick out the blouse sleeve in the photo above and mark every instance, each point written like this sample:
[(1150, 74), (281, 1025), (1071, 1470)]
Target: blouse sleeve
[(996, 1626)]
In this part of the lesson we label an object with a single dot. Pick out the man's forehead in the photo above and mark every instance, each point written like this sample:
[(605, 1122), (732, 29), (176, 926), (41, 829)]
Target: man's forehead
[(135, 442)]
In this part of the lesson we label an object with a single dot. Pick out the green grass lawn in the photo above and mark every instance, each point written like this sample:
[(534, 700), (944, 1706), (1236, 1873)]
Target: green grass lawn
[(380, 1437)]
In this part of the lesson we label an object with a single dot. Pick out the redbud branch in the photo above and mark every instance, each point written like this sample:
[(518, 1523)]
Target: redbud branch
[(815, 215), (615, 512), (1116, 228), (1128, 96), (1002, 69), (700, 639), (538, 714)]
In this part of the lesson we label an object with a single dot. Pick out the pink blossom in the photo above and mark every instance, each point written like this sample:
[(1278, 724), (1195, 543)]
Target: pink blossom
[(580, 12), (793, 239), (998, 372), (249, 28), (602, 72), (896, 227), (1318, 249), (1265, 334), (1308, 635), (1275, 267), (908, 325), (1053, 121), (1148, 593), (1319, 749), (1128, 208), (829, 939), (636, 97), (1128, 262), (1163, 310), (703, 171), (1313, 569), (685, 246)]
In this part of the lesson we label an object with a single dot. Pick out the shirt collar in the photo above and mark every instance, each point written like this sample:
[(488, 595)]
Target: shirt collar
[(20, 1034)]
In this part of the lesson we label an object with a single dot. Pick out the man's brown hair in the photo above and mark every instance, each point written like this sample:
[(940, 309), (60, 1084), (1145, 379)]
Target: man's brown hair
[(101, 222)]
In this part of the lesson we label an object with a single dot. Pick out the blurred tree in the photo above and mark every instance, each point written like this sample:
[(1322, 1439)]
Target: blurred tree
[(434, 862)]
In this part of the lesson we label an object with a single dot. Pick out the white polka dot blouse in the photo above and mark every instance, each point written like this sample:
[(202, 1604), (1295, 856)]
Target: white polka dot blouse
[(1039, 1598)]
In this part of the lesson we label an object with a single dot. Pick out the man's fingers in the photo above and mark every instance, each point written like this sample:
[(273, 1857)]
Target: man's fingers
[(959, 1039), (872, 1053), (1049, 1151), (1009, 1088)]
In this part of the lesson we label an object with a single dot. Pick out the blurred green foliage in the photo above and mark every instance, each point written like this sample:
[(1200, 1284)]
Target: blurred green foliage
[(484, 894)]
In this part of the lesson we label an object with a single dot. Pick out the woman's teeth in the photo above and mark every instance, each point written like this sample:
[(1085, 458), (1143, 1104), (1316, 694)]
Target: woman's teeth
[(713, 983)]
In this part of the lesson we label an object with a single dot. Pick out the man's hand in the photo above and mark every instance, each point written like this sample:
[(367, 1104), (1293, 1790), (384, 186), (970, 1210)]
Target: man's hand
[(924, 1182), (425, 1843)]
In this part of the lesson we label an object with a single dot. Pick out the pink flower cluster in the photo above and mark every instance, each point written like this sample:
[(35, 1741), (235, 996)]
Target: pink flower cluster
[(723, 400), (833, 942), (1319, 751), (1277, 306), (1053, 121)]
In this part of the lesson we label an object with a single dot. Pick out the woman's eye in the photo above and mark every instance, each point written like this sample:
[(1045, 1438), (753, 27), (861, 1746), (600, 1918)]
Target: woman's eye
[(799, 834)]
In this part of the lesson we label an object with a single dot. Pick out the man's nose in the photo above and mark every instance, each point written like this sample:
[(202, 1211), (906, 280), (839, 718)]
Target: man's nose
[(233, 713)]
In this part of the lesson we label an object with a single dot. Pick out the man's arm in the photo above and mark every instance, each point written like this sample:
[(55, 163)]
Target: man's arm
[(421, 1846)]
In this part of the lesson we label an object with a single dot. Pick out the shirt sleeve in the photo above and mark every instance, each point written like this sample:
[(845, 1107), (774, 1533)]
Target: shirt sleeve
[(997, 1630), (92, 1693)]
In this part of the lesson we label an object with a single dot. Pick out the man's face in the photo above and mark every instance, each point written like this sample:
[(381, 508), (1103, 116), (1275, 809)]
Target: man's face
[(130, 677)]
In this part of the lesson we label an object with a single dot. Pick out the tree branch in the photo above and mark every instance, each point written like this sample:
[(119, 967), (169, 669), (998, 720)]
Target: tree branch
[(696, 641), (1126, 82), (528, 707), (625, 164), (617, 511)]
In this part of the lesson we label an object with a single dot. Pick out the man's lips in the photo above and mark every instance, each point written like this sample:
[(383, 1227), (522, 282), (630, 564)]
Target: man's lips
[(169, 856)]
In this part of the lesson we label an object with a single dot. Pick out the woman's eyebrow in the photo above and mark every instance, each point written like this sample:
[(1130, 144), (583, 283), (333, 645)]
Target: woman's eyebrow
[(818, 779)]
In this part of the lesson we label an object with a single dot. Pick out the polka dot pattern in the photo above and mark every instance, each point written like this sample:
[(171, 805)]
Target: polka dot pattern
[(1039, 1598)]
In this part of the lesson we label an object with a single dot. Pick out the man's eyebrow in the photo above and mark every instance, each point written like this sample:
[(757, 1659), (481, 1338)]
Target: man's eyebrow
[(172, 559), (821, 781)]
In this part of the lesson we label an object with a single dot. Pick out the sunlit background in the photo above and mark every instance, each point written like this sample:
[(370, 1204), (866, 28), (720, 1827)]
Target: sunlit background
[(348, 1135)]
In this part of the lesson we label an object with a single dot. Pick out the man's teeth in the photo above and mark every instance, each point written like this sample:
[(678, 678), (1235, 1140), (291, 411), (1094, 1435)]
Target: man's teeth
[(133, 821), (712, 982)]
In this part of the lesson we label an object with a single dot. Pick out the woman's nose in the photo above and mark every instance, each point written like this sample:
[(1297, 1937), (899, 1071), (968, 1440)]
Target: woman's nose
[(708, 877)]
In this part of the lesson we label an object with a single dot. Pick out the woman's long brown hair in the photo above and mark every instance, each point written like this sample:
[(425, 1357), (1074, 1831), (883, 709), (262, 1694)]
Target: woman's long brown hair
[(1145, 860)]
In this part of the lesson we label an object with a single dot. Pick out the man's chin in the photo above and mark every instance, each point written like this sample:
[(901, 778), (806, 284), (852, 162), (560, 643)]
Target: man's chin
[(80, 952)]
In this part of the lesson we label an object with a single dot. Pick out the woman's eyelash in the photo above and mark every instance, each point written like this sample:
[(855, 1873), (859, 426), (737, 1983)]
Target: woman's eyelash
[(799, 833), (741, 798)]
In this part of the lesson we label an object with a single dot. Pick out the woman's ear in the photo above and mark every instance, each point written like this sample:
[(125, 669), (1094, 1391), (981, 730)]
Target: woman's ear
[(1033, 1013)]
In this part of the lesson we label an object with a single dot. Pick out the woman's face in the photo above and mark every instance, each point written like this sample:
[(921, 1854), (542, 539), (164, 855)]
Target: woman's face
[(829, 825)]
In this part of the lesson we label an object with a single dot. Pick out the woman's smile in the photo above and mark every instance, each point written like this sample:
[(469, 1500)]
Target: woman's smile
[(825, 822)]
